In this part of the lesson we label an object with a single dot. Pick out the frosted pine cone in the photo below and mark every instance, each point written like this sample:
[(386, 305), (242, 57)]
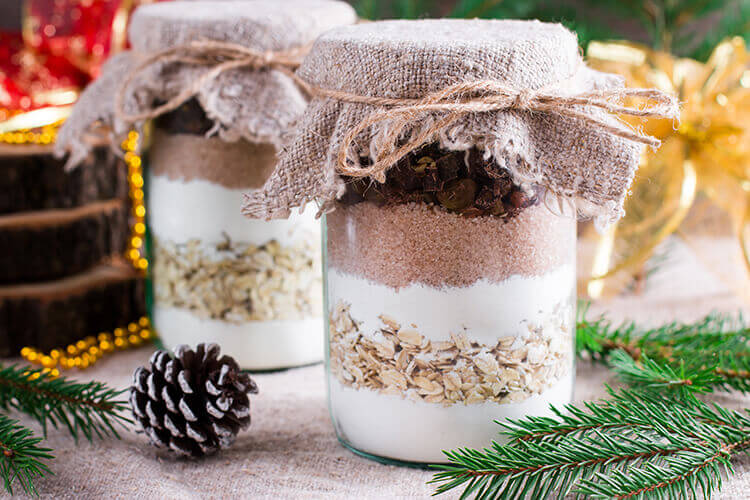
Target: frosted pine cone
[(194, 403)]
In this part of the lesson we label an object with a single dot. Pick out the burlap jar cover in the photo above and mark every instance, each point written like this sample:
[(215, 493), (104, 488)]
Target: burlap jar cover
[(235, 58), (517, 90)]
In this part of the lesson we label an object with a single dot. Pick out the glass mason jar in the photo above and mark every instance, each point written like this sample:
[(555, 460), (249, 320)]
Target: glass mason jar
[(253, 287), (450, 299)]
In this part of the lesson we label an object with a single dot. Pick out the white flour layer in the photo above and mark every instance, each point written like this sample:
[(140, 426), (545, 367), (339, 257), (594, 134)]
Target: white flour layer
[(486, 311), (415, 431), (179, 211), (256, 345)]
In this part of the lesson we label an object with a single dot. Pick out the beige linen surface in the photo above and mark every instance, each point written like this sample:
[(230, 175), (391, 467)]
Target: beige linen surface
[(290, 450)]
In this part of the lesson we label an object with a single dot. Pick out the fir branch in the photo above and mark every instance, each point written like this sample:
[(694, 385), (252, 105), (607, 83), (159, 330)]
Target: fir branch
[(649, 374), (665, 444), (545, 469), (91, 408), (712, 353), (699, 469), (621, 414), (21, 457)]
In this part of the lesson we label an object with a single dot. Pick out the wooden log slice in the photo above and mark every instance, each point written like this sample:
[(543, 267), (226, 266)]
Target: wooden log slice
[(56, 313), (31, 179), (51, 244)]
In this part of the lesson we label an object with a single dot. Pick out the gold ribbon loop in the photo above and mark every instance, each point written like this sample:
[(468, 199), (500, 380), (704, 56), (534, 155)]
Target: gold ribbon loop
[(219, 57)]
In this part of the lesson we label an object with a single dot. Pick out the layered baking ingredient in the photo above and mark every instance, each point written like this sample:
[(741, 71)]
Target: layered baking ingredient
[(238, 282), (262, 345), (398, 245), (387, 425), (399, 360), (252, 286), (451, 301)]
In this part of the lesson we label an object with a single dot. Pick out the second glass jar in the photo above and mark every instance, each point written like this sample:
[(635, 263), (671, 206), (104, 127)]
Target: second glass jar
[(252, 286)]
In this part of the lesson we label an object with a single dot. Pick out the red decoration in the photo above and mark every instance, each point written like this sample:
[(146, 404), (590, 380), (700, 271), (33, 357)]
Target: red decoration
[(61, 48), (30, 80)]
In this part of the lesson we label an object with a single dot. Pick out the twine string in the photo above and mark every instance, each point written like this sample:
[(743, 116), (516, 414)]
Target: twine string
[(397, 115), (464, 98), (219, 57)]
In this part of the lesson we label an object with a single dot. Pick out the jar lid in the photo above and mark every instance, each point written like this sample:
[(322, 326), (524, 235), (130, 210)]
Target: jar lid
[(413, 58), (517, 90), (236, 58), (260, 24)]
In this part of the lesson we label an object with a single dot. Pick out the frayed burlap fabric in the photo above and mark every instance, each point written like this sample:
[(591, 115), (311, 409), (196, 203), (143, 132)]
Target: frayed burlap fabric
[(541, 132), (256, 100)]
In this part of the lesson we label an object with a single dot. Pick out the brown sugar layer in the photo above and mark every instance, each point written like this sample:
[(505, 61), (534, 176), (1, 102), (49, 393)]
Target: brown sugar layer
[(398, 245), (187, 157)]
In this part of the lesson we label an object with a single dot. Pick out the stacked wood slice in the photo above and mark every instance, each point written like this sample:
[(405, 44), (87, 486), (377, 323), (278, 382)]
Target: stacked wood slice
[(63, 235)]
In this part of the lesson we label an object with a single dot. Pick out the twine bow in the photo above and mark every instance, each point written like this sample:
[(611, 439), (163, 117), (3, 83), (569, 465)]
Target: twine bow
[(219, 57), (458, 100)]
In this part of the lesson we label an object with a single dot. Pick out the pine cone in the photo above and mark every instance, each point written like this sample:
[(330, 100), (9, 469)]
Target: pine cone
[(194, 403)]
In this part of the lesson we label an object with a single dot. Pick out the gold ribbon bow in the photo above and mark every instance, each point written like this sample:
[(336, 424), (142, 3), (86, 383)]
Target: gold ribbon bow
[(702, 169), (218, 57)]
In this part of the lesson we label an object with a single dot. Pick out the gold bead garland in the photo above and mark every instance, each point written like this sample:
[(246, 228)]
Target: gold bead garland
[(86, 352), (41, 136), (135, 252)]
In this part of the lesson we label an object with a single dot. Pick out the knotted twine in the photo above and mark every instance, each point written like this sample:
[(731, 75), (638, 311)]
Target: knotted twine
[(516, 90), (217, 57), (485, 96), (454, 102)]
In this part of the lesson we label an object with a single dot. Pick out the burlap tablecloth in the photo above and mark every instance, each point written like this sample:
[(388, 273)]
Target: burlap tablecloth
[(290, 450)]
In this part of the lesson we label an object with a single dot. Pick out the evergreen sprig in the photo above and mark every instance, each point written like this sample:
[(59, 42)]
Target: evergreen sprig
[(22, 459), (649, 374), (91, 409), (632, 445), (707, 355), (656, 440)]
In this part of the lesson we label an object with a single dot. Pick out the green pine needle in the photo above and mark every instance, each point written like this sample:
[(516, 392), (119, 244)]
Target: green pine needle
[(633, 445), (91, 409), (708, 355), (656, 440), (21, 457), (649, 374)]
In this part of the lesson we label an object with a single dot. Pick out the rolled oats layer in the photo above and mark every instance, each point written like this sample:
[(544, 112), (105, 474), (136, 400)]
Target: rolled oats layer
[(397, 359), (238, 282)]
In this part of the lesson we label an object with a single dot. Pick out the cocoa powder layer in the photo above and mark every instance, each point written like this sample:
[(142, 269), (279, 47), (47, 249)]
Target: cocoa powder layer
[(234, 165), (397, 245)]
